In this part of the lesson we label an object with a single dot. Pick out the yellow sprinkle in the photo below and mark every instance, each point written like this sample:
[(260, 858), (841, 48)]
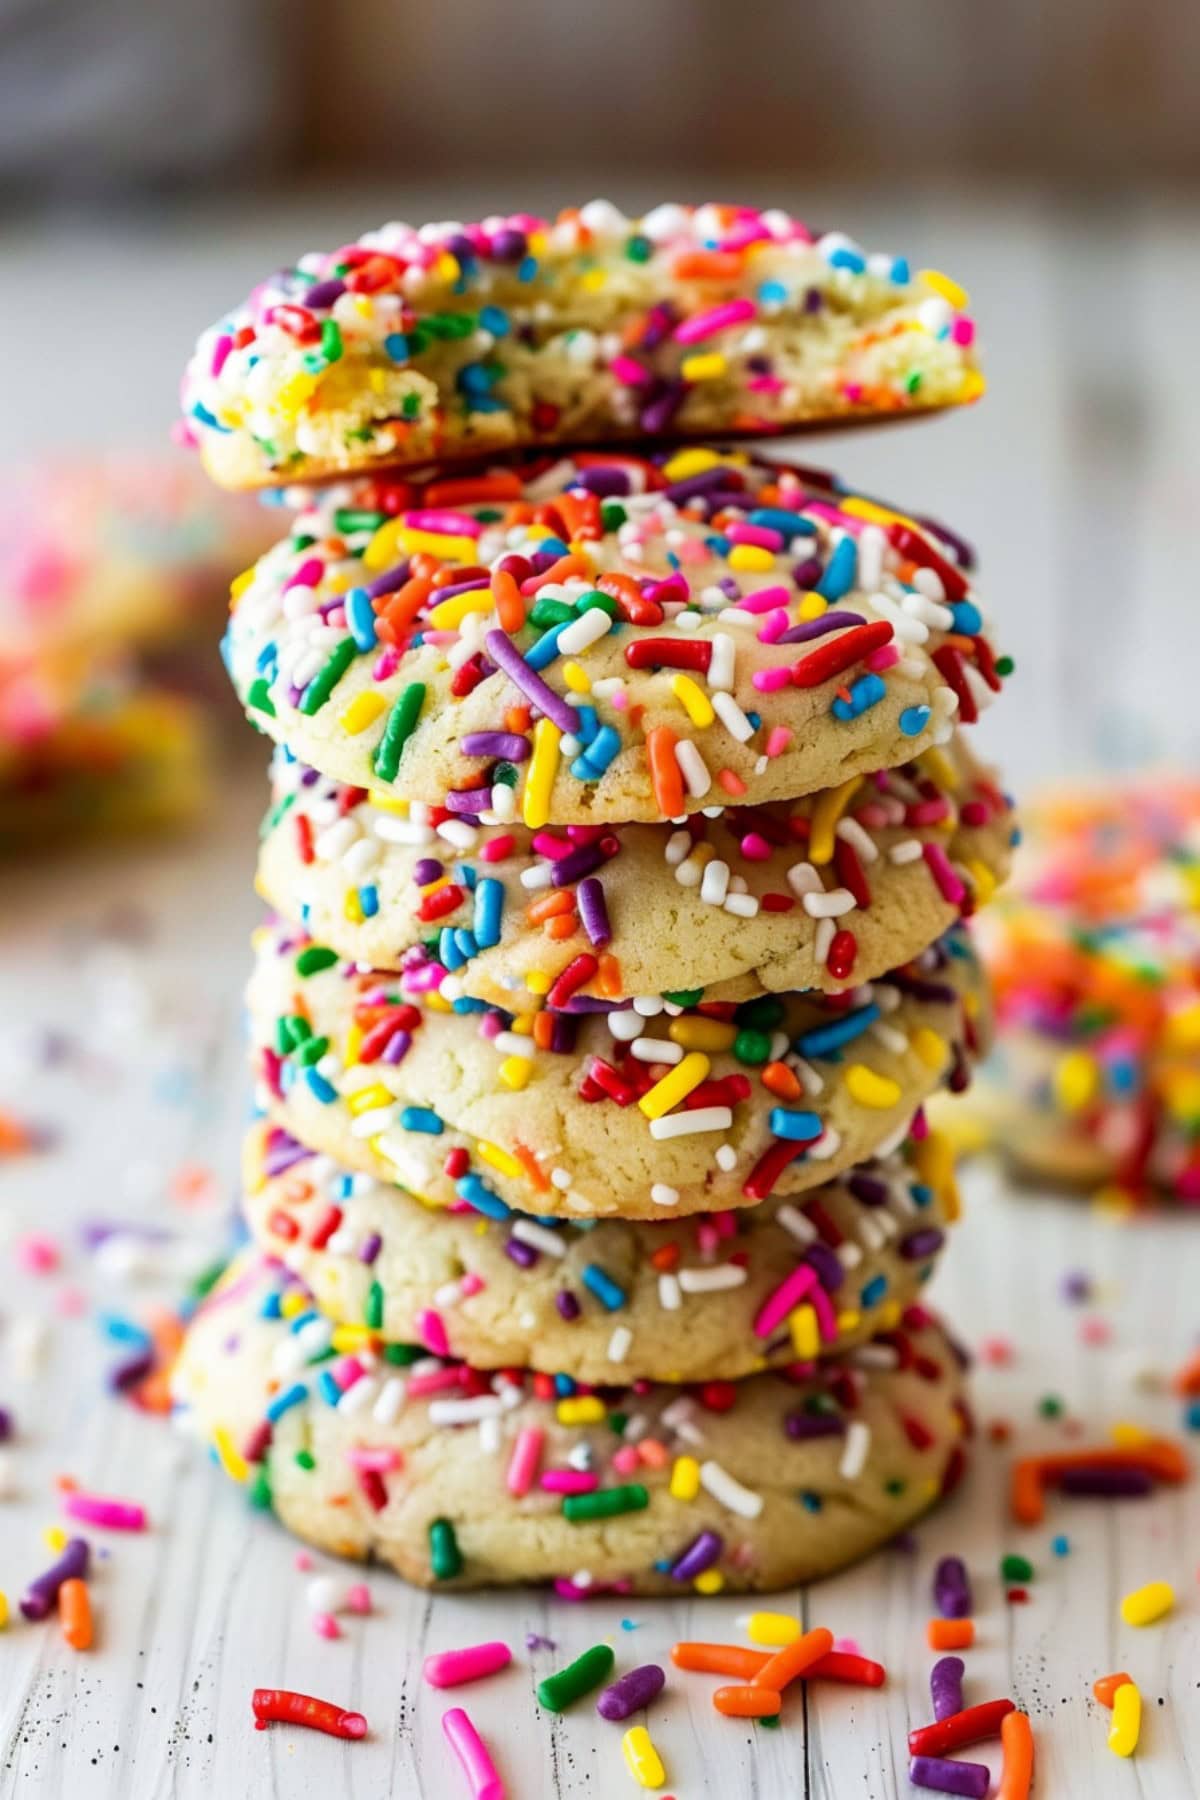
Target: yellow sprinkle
[(390, 803), (543, 768), (825, 815), (499, 1159), (577, 678), (870, 1089), (345, 1339), (711, 1581), (368, 1098), (685, 1478), (1181, 1090), (811, 607), (240, 583), (773, 1628), (54, 1538), (675, 1086), (449, 613), (592, 280), (1183, 1028), (642, 1759), (983, 879), (3, 1609), (697, 1033), (931, 1047), (352, 906), (515, 1072), (704, 367), (950, 291), (860, 508), (694, 461), (1126, 1724), (580, 1409), (806, 1337), (296, 392), (751, 557), (1127, 1436), (292, 1304), (539, 981), (848, 1321), (447, 267), (353, 1045), (933, 1159), (383, 551), (1147, 1604), (1076, 1080), (890, 1314), (362, 711), (694, 700), (937, 765), (973, 386), (230, 1457)]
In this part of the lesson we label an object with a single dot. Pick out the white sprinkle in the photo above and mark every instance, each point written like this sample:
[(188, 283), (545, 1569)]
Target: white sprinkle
[(803, 879), (358, 1396), (720, 669), (833, 905), (539, 1237), (662, 1195), (727, 1492), (852, 833), (458, 834), (696, 778), (726, 1159), (826, 1146), (854, 1451), (624, 1025), (465, 1412), (690, 872), (370, 1124), (489, 1436), (692, 1124), (670, 1296), (715, 885), (619, 1344), (712, 1281), (679, 845), (648, 1005), (326, 1594), (656, 1050), (360, 857), (823, 938), (732, 717), (742, 906), (402, 831), (906, 851), (392, 1395), (796, 1223)]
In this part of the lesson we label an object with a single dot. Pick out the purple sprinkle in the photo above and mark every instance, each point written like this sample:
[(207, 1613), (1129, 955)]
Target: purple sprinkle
[(949, 1776), (283, 1153), (672, 587), (577, 863), (803, 1425), (390, 580), (588, 1003), (829, 1269), (605, 482), (920, 1244), (815, 628), (428, 870), (322, 294), (508, 745), (6, 1424), (933, 993), (506, 656), (370, 1247), (593, 910), (127, 1374), (946, 1686), (808, 572), (1076, 1287), (697, 484), (661, 410), (469, 800), (509, 245), (397, 1047), (631, 1692), (868, 1188), (41, 1593), (656, 325), (1108, 1484), (814, 300), (700, 1554), (952, 1588), (963, 551), (567, 1304), (463, 587), (563, 1034), (541, 560), (524, 1255)]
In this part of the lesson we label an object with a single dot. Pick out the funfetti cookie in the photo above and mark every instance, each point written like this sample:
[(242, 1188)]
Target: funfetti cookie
[(713, 1297), (603, 639), (464, 1479), (431, 344), (827, 891), (640, 1110)]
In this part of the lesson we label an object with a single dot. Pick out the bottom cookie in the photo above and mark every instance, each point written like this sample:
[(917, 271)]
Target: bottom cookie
[(462, 1479)]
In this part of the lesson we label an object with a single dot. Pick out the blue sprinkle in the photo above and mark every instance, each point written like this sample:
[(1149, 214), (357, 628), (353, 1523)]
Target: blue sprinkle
[(495, 320), (527, 269), (329, 1387), (293, 1396), (772, 292), (396, 345), (606, 1290), (811, 1502), (1061, 1546), (797, 1127), (422, 1118), (901, 273), (921, 1195), (588, 724), (489, 906), (368, 899), (553, 546), (865, 693), (475, 379), (476, 1192), (124, 1331), (360, 617), (486, 403), (837, 577), (301, 1319), (207, 418), (564, 1386), (323, 1090), (874, 1291), (467, 1005), (600, 752), (824, 1038), (464, 943), (845, 258), (540, 654), (967, 618), (913, 720), (449, 954), (779, 518), (1191, 1417)]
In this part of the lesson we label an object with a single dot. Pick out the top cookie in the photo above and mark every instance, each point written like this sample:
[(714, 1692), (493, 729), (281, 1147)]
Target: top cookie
[(607, 639), (448, 341)]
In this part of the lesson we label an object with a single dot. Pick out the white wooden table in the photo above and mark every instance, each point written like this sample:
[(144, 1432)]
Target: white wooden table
[(128, 1046)]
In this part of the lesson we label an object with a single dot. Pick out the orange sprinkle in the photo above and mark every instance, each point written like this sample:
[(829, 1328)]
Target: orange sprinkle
[(1016, 1739), (794, 1658), (708, 265), (403, 606), (531, 1166), (654, 1454), (664, 771), (75, 1614), (467, 490), (547, 905), (517, 718), (733, 784), (608, 977), (562, 570), (1105, 1689), (561, 927), (747, 1702), (543, 1030), (665, 1258), (1033, 1474), (1187, 1381), (950, 1634), (510, 603), (720, 1659), (781, 1081)]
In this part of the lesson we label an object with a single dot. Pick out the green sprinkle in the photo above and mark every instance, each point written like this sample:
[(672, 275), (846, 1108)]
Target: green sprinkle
[(311, 1051), (331, 340), (325, 680), (207, 1279), (410, 406), (546, 612), (1016, 1568), (302, 540), (259, 696), (912, 382), (445, 1557), (504, 775), (685, 997), (401, 1356), (752, 1046), (260, 1491), (306, 1459), (765, 1013), (315, 957), (612, 516), (578, 1678), (1005, 665), (275, 814), (1050, 1406), (348, 519), (605, 1503), (373, 1316), (402, 719), (772, 1721), (594, 598), (639, 249)]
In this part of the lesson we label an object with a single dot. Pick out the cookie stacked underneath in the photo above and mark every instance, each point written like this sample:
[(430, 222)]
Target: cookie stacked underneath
[(621, 834)]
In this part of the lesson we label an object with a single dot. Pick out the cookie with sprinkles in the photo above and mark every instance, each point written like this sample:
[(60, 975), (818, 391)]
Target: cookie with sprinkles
[(826, 891), (435, 343), (460, 1478), (605, 638), (666, 1104), (714, 1297), (1095, 957)]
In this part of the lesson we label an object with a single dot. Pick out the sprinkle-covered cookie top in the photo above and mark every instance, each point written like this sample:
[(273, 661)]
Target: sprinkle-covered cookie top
[(447, 340), (606, 638)]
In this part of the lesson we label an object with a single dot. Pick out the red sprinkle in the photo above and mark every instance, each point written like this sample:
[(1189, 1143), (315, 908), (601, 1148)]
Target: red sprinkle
[(283, 1707), (671, 653), (839, 653), (966, 1727)]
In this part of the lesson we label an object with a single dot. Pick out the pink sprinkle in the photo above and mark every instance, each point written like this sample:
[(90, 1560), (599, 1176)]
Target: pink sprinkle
[(445, 523), (432, 1332), (762, 535), (778, 739), (717, 318), (523, 1463), (771, 681), (573, 1590), (764, 599), (755, 847), (471, 1283), (848, 1646), (221, 349), (71, 1302), (450, 1668), (113, 1515), (307, 575), (731, 781), (765, 384), (498, 849), (326, 1626), (38, 1254), (347, 1371), (374, 1462), (773, 629), (998, 1351), (822, 509), (884, 658), (962, 331), (626, 1459), (358, 1599), (949, 885), (433, 1381), (778, 1304), (628, 372), (569, 1481), (303, 1561), (387, 664), (707, 1239)]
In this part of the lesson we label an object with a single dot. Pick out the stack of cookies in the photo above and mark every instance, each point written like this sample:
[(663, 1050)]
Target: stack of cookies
[(621, 834)]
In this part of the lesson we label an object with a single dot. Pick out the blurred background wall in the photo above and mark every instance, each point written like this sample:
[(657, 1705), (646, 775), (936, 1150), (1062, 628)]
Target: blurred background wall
[(157, 157)]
